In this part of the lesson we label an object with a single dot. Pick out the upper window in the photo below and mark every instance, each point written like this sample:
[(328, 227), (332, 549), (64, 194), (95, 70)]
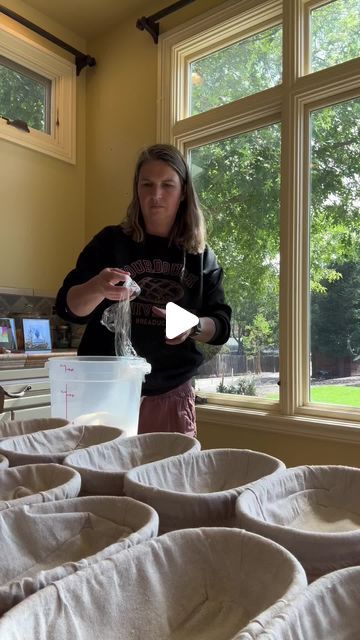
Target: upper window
[(37, 96), (24, 95), (244, 68), (335, 30)]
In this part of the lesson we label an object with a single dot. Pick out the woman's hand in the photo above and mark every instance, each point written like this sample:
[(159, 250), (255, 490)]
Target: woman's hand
[(208, 329), (82, 299), (161, 313), (106, 283)]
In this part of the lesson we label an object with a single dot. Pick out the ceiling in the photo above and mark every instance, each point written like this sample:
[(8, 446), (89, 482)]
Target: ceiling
[(90, 18)]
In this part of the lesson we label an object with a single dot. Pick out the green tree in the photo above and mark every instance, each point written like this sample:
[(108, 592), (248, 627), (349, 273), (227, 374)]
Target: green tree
[(238, 182), (21, 97), (333, 45), (219, 78), (335, 328), (335, 191), (256, 339)]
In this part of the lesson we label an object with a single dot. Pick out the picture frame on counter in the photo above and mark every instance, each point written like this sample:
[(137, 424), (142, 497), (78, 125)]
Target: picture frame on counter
[(37, 334), (8, 334)]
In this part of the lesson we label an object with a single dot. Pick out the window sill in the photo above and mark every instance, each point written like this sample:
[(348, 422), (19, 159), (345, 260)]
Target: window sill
[(265, 420)]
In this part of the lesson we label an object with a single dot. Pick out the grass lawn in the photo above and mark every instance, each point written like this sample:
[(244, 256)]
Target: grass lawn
[(331, 394)]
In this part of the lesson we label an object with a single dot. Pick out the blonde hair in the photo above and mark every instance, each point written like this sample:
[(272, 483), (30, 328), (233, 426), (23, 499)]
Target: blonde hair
[(188, 231)]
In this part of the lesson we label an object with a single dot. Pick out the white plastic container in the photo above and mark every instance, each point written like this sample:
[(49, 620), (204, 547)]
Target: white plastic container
[(105, 386)]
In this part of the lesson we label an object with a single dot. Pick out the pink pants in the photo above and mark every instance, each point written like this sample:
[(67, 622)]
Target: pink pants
[(171, 411)]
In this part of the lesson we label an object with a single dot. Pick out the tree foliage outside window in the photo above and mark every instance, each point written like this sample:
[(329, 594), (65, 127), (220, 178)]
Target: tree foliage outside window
[(244, 68), (335, 30), (23, 96), (238, 182), (336, 315), (335, 240)]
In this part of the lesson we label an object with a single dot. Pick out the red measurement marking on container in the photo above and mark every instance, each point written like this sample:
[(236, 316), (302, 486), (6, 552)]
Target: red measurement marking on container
[(67, 394), (66, 368)]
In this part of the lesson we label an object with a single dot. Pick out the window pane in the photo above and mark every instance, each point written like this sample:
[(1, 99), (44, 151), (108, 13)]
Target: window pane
[(335, 33), (24, 95), (335, 254), (237, 180), (244, 68)]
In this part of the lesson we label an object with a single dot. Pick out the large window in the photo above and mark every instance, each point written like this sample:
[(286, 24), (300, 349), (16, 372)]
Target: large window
[(265, 100)]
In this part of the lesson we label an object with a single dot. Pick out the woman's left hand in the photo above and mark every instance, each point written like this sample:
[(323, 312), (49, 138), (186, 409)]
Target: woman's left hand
[(161, 313)]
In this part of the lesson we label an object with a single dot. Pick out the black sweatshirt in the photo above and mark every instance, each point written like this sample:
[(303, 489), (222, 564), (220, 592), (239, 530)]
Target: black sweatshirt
[(164, 274)]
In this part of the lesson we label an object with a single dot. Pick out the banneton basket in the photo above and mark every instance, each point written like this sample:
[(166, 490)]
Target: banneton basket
[(54, 445), (102, 467), (193, 584), (199, 489), (327, 610), (22, 427), (37, 483), (313, 511), (4, 462), (42, 543)]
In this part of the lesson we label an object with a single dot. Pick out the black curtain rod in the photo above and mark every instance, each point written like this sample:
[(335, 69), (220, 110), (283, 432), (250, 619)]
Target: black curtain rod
[(81, 59), (151, 25)]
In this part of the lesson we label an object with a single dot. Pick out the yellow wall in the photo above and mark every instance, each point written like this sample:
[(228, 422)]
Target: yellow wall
[(292, 449), (51, 207), (121, 117), (42, 199)]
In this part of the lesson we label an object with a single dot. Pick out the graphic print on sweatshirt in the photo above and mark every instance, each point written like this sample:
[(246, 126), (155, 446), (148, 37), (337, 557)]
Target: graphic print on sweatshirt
[(156, 288)]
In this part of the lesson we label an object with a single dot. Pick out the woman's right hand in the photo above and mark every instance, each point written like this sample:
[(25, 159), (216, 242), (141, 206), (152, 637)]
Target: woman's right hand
[(82, 299), (106, 283)]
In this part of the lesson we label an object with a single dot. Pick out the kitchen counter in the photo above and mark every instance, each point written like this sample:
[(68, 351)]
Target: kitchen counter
[(20, 360), (25, 377)]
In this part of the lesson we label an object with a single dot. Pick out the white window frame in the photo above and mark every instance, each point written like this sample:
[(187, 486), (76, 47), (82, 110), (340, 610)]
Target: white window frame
[(61, 142), (289, 103)]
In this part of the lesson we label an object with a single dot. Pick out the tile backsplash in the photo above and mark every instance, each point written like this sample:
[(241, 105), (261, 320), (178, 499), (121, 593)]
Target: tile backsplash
[(13, 304), (64, 334)]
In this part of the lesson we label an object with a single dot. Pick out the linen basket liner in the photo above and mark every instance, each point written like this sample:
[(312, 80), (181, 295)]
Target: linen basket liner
[(190, 584), (54, 445), (37, 483), (199, 489), (102, 467), (43, 543), (314, 511), (4, 462), (327, 610), (22, 427)]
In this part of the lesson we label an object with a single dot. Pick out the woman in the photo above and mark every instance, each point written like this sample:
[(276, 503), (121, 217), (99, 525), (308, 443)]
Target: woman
[(161, 245)]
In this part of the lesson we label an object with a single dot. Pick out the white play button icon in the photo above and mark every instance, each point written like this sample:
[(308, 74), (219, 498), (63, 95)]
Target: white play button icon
[(178, 320)]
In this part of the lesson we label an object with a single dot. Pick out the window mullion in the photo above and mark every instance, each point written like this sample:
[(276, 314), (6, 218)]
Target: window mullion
[(293, 224), (236, 117)]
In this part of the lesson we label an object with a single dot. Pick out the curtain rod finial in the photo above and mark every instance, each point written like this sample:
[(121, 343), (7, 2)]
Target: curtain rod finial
[(150, 26), (83, 60)]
